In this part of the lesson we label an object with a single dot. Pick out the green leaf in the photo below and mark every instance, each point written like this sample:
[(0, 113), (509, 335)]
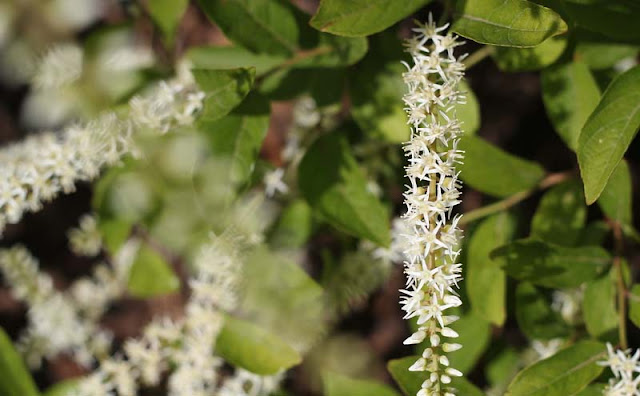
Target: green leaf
[(486, 280), (483, 163), (511, 59), (634, 305), (264, 26), (361, 17), (548, 265), (410, 382), (603, 55), (232, 57), (502, 368), (151, 275), (535, 317), (294, 226), (608, 132), (167, 15), (16, 380), (561, 214), (615, 20), (63, 388), (468, 113), (592, 390), (599, 307), (616, 199), (333, 51), (570, 93), (564, 373), (239, 135), (224, 90), (475, 335), (251, 347), (339, 385), (333, 184), (114, 233), (594, 233), (511, 23)]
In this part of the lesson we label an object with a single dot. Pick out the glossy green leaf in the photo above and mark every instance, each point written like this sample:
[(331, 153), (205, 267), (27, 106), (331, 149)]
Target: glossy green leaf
[(167, 15), (594, 233), (634, 305), (333, 184), (570, 94), (608, 132), (114, 233), (253, 348), (605, 54), (512, 59), (410, 382), (535, 317), (263, 26), (333, 51), (511, 23), (294, 226), (468, 113), (611, 20), (561, 214), (16, 380), (224, 90), (232, 57), (592, 390), (151, 275), (339, 385), (63, 388), (486, 281), (616, 198), (599, 307), (239, 135), (548, 265), (361, 17), (565, 373), (483, 163)]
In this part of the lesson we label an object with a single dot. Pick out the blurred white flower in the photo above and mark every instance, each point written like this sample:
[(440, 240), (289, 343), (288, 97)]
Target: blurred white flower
[(86, 240), (60, 66), (273, 183)]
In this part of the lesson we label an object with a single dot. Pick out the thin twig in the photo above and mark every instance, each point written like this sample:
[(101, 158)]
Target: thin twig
[(478, 56)]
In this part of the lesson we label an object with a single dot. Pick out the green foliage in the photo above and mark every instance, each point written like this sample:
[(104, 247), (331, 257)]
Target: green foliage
[(294, 226), (603, 55), (599, 307), (224, 90), (251, 347), (616, 199), (16, 380), (570, 94), (339, 385), (486, 279), (167, 15), (634, 305), (335, 187), (151, 275), (233, 57), (554, 266), (475, 335), (511, 59), (564, 373), (561, 215), (361, 17), (535, 317), (62, 388), (494, 22), (483, 161), (114, 233), (608, 132)]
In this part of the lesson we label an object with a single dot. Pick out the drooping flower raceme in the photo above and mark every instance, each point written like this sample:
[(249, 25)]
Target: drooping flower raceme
[(432, 242), (626, 370)]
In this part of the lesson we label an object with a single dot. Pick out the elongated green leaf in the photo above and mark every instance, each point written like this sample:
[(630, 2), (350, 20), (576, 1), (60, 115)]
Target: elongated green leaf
[(232, 57), (522, 59), (475, 335), (361, 17), (333, 184), (511, 23), (550, 265), (411, 381), (570, 93), (599, 307), (634, 305), (615, 20), (339, 385), (63, 388), (594, 234), (608, 132), (486, 280), (604, 55), (535, 317), (561, 214), (16, 380), (167, 14), (564, 373), (334, 51), (251, 347), (616, 199), (592, 390), (267, 26), (151, 275), (294, 226), (483, 162), (468, 113), (224, 90), (114, 233), (239, 135)]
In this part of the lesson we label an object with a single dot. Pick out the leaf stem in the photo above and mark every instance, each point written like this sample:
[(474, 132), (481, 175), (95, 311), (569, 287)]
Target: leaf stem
[(622, 291), (551, 180), (478, 56)]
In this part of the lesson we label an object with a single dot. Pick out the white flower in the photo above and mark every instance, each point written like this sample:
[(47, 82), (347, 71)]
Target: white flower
[(273, 182), (61, 66), (624, 366), (432, 235), (86, 240), (546, 349)]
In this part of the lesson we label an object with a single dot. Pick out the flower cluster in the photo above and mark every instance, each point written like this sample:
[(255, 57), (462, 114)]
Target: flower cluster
[(86, 240), (624, 366), (432, 242), (39, 168)]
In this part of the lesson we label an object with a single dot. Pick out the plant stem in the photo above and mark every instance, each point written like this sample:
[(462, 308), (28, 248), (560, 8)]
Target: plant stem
[(551, 180), (622, 291), (478, 56)]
